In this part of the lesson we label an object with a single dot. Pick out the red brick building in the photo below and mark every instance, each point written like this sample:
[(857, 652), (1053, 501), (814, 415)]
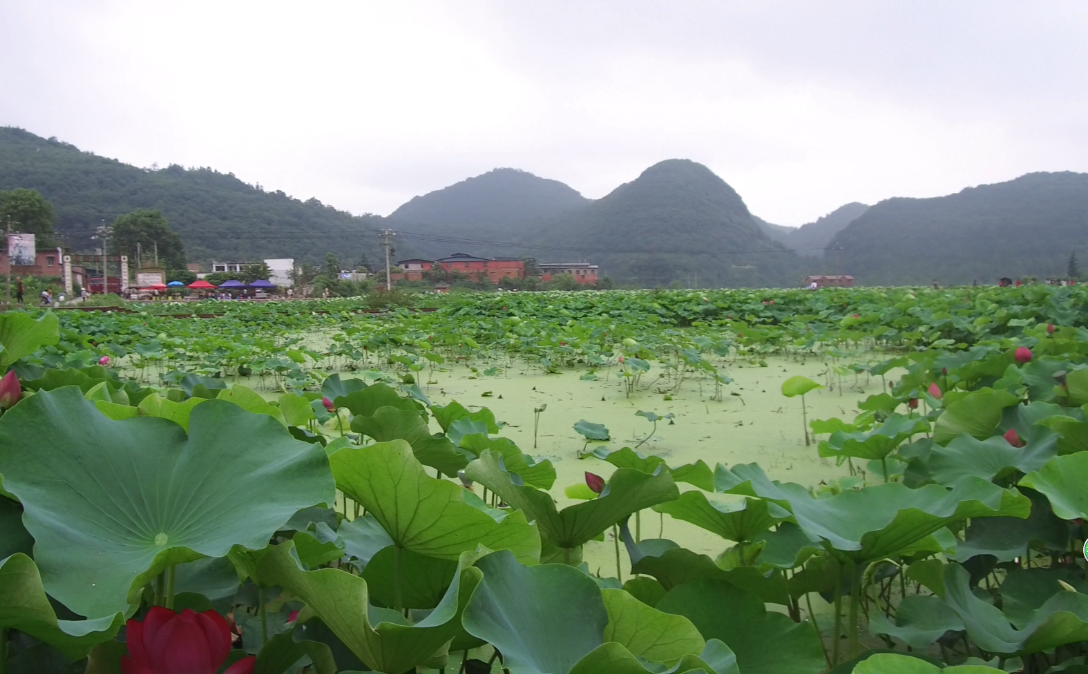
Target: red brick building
[(583, 272), (824, 281), (49, 262), (480, 268)]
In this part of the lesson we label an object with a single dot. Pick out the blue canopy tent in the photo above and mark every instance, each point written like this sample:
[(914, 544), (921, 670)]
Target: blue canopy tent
[(233, 285), (175, 284), (262, 284)]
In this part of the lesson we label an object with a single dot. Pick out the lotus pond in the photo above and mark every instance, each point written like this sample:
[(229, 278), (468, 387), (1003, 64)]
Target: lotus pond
[(754, 482)]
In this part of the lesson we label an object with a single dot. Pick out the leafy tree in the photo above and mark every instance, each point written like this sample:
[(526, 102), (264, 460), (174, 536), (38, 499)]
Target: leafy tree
[(332, 266), (1072, 271), (29, 212), (149, 228), (563, 282), (364, 263), (254, 272), (219, 277), (183, 275)]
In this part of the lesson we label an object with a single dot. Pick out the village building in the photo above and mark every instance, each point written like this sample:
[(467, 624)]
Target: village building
[(823, 281), (493, 269), (583, 272)]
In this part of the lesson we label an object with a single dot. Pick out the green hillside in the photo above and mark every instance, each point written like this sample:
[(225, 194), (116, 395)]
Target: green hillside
[(499, 205), (217, 215), (677, 222), (1027, 226), (810, 239)]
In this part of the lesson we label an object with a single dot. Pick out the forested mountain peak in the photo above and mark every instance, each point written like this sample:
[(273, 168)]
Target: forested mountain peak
[(812, 238), (1025, 226)]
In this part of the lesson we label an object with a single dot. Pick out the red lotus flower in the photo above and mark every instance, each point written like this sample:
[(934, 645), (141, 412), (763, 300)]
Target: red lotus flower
[(1050, 328), (292, 616), (104, 360), (562, 343), (10, 391), (595, 482), (1013, 438), (621, 359), (935, 391), (1022, 355), (772, 301), (180, 643), (857, 315), (912, 403), (328, 405)]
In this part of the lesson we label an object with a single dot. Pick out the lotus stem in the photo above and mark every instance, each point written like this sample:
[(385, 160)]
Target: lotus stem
[(804, 419), (855, 602), (638, 526), (837, 631), (616, 540), (169, 603), (264, 615), (884, 465), (3, 650), (812, 617), (398, 600), (160, 590)]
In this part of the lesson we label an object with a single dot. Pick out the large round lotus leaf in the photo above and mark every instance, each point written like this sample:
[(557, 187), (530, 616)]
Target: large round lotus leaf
[(737, 521), (24, 606), (365, 402), (879, 521), (967, 456), (111, 503), (647, 632), (391, 423), (543, 619), (765, 642), (798, 386), (892, 663), (1062, 480), (978, 414), (425, 515)]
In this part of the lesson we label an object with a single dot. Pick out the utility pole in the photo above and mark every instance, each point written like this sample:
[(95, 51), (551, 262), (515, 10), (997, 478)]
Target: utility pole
[(387, 243), (7, 242), (156, 254), (139, 256), (103, 234)]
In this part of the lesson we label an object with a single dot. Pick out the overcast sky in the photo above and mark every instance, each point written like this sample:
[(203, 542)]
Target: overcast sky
[(800, 106)]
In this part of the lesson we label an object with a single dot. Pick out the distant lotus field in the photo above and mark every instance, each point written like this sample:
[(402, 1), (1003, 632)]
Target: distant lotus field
[(870, 480)]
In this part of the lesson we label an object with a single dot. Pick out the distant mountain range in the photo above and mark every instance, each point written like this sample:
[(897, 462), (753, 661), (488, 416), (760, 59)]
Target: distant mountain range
[(676, 223), (217, 215)]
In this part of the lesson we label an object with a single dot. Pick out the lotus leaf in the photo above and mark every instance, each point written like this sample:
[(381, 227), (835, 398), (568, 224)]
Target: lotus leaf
[(391, 423), (112, 503), (540, 474), (627, 492), (425, 515), (764, 642), (919, 621), (875, 444), (1062, 481), (878, 521), (739, 521), (25, 607), (379, 637), (977, 414), (21, 335), (798, 386), (993, 457)]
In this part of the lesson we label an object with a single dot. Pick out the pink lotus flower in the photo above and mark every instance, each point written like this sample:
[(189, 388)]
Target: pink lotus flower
[(104, 360), (328, 405), (1013, 438), (10, 391), (165, 642), (1050, 328), (292, 616), (935, 391), (1022, 355), (595, 482)]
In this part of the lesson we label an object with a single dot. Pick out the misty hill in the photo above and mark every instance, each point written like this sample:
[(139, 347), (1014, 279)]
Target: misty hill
[(1027, 226), (217, 215), (497, 205), (812, 238), (677, 221)]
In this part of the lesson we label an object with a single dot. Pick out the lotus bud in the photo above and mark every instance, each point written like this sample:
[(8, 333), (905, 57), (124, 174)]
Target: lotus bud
[(195, 643), (1050, 328), (104, 360), (912, 403), (935, 391), (1022, 355), (944, 371), (595, 482), (1013, 438), (292, 617), (10, 391), (467, 483), (328, 405)]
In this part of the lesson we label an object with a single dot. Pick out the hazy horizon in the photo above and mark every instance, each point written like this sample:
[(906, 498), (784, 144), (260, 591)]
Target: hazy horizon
[(800, 108)]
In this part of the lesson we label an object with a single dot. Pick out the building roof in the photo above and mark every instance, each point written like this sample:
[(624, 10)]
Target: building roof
[(412, 259), (566, 265), (830, 277), (462, 257)]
